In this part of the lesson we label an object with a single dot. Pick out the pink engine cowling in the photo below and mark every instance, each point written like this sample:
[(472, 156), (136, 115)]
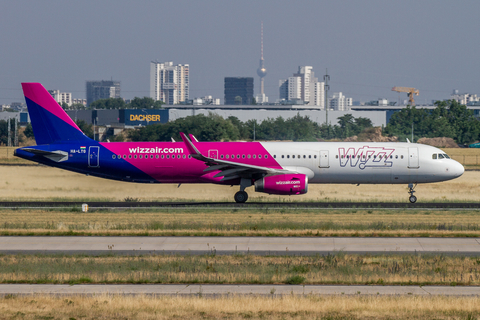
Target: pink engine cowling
[(284, 184)]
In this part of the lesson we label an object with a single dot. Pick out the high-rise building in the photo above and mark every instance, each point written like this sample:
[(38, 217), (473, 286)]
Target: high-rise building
[(61, 97), (103, 89), (169, 83), (303, 86), (340, 102), (238, 90)]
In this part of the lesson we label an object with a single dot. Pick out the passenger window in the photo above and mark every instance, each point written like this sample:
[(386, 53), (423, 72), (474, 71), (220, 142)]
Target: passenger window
[(135, 156), (238, 156), (274, 156), (129, 156), (249, 156), (266, 156), (396, 156), (434, 156), (233, 156), (221, 156), (391, 157), (283, 156), (168, 157), (189, 156), (304, 156), (336, 156), (259, 156), (114, 156), (243, 156), (151, 156), (288, 156), (298, 156), (309, 156), (183, 156), (163, 157), (401, 157), (315, 156), (141, 157), (293, 157), (227, 156), (156, 156), (124, 156)]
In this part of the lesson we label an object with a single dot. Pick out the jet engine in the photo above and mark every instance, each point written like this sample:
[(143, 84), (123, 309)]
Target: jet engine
[(284, 184)]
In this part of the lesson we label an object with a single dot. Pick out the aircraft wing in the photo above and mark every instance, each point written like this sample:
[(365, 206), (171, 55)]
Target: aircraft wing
[(229, 170)]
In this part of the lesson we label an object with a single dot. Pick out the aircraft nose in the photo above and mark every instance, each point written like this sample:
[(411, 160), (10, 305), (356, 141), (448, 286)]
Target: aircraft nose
[(456, 169)]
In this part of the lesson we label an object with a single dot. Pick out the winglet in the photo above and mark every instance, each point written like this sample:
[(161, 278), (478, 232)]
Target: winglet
[(192, 137), (191, 148)]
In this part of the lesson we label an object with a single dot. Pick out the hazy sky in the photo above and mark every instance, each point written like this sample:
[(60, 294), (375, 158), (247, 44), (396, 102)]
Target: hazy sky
[(368, 46)]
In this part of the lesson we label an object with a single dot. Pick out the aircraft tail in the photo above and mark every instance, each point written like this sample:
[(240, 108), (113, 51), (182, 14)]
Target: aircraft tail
[(50, 122)]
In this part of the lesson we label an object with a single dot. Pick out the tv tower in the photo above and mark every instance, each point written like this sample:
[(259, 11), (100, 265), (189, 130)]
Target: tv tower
[(262, 72)]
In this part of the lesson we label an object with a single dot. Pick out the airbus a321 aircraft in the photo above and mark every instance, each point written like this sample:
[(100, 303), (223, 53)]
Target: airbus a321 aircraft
[(282, 168)]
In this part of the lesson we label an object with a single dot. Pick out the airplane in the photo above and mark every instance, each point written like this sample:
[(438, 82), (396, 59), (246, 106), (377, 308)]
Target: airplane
[(281, 168)]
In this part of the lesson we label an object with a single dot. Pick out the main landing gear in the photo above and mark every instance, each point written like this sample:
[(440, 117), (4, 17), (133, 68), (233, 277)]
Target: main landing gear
[(241, 196), (411, 190)]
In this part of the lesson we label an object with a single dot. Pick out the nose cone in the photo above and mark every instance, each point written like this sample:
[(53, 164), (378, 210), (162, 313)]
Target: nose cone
[(455, 169)]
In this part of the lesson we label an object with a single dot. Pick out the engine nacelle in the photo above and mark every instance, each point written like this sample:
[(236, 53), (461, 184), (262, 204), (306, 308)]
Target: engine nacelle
[(284, 184)]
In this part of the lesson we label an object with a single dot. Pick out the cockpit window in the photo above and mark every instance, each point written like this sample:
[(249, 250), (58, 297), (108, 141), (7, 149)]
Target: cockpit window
[(446, 156), (434, 156), (440, 156)]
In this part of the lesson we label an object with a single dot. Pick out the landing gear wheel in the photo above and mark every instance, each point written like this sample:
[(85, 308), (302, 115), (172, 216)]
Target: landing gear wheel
[(241, 197), (411, 190)]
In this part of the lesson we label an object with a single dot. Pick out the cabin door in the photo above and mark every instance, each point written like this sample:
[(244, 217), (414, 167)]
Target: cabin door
[(413, 158), (324, 159), (93, 157)]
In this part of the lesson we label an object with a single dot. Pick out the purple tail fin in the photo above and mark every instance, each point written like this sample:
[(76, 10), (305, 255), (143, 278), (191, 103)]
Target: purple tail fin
[(50, 122)]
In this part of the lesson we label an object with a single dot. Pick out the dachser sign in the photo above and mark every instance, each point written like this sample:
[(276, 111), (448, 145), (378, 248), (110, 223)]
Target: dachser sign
[(145, 117), (135, 117)]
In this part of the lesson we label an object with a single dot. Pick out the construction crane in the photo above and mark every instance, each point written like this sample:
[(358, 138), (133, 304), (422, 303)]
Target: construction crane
[(409, 91)]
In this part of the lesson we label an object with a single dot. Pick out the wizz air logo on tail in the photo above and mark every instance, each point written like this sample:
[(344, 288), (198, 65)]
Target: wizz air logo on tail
[(366, 157)]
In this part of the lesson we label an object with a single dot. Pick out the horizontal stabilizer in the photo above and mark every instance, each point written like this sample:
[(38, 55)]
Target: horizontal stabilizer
[(57, 156)]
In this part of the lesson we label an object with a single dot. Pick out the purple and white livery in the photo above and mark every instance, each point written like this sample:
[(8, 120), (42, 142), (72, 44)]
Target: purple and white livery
[(284, 168)]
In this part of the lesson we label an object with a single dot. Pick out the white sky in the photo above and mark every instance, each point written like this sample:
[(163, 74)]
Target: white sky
[(368, 46)]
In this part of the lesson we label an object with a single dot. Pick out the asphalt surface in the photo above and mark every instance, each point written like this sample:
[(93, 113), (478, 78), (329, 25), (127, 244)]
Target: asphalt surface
[(247, 205), (232, 245), (225, 290)]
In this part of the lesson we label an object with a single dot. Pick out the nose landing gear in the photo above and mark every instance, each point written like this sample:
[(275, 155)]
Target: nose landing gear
[(411, 190)]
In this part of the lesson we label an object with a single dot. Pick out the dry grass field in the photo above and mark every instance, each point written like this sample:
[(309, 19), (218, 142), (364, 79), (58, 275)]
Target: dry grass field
[(234, 222), (238, 307), (45, 183), (336, 269)]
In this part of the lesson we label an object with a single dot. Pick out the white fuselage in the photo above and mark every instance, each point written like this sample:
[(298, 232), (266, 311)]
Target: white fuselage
[(365, 162)]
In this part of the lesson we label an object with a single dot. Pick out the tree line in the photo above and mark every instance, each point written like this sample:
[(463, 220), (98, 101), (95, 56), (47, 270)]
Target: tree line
[(448, 119), (213, 127)]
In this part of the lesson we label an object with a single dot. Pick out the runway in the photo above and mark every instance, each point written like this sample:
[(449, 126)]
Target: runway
[(245, 206), (237, 245), (213, 291)]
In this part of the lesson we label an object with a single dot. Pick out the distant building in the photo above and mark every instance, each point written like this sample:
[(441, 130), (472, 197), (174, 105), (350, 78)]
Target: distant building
[(61, 97), (464, 98), (303, 86), (238, 90), (80, 101), (340, 103), (169, 83), (103, 89)]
